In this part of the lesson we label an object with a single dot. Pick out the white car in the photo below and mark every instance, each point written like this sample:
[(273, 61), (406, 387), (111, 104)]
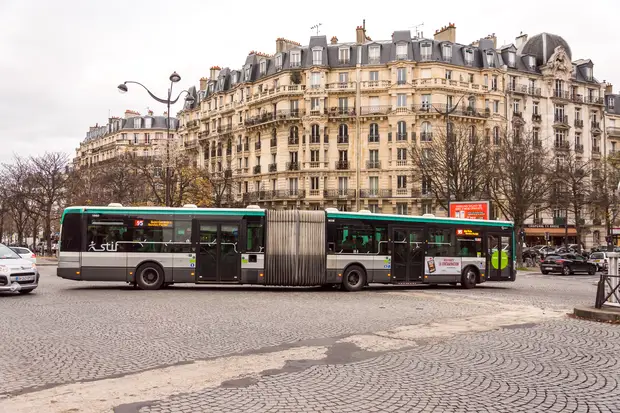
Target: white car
[(16, 273), (25, 253)]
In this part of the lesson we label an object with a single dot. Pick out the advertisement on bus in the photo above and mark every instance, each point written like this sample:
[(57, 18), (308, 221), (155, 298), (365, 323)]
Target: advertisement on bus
[(442, 266), (470, 209)]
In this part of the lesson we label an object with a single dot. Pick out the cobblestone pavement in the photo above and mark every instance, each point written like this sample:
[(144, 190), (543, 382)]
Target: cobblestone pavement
[(69, 332)]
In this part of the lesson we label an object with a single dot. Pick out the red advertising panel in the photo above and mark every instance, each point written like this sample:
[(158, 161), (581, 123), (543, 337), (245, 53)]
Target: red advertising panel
[(470, 209)]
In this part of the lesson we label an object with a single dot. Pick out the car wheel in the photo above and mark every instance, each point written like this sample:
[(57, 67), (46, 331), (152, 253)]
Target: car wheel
[(150, 276), (566, 270), (354, 278), (544, 272), (468, 278), (592, 270)]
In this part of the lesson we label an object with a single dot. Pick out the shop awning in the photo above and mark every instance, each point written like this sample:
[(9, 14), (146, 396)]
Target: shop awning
[(553, 232)]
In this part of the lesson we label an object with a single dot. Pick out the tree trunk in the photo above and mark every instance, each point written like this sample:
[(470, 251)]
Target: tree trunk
[(48, 230), (519, 251), (35, 227)]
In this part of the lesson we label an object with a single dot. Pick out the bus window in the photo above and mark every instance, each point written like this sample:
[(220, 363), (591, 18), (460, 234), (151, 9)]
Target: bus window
[(381, 241), (255, 237), (71, 234), (468, 245), (150, 235), (440, 242), (104, 234), (182, 236), (356, 239)]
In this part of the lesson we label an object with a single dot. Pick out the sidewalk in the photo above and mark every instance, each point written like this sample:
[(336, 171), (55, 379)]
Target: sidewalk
[(47, 261)]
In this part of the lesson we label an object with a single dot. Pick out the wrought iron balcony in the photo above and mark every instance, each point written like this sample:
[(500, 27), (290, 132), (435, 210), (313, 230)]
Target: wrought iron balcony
[(562, 145), (596, 150), (257, 145), (315, 139), (401, 136), (273, 167), (343, 139), (426, 136), (562, 94), (292, 166), (563, 119), (339, 193), (373, 164), (579, 123), (375, 193), (256, 169), (577, 98), (536, 117), (595, 125), (375, 110), (293, 140), (342, 165), (239, 147), (578, 148), (373, 138), (341, 112)]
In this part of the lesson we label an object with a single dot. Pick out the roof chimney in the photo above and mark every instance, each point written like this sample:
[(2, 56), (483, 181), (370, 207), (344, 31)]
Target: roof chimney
[(214, 72), (203, 83), (334, 40), (284, 45), (360, 35), (131, 113), (446, 33), (609, 89), (520, 40)]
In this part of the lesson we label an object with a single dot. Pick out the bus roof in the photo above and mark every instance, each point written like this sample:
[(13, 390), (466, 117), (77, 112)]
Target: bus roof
[(261, 212), (413, 219)]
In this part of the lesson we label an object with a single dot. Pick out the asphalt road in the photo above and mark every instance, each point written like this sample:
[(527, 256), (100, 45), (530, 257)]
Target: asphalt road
[(75, 347)]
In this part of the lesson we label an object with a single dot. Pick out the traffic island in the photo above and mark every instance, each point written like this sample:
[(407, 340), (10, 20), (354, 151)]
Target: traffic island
[(604, 314)]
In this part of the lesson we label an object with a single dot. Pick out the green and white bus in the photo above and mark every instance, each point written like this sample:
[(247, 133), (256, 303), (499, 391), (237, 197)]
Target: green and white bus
[(152, 247)]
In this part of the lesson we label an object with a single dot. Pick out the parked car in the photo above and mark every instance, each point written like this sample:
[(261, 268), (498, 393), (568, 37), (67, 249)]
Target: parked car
[(566, 264), (600, 260), (25, 253), (16, 273)]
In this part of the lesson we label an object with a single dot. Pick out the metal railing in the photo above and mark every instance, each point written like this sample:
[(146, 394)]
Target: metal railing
[(608, 288)]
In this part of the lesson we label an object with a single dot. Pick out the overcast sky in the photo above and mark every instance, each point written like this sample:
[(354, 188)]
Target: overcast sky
[(60, 61)]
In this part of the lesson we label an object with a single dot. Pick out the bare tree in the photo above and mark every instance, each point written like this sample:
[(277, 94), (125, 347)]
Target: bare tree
[(572, 187), (48, 174), (449, 163), (605, 199), (519, 177), (17, 194)]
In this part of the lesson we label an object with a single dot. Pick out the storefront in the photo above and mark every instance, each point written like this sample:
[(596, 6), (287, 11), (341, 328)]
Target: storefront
[(549, 234)]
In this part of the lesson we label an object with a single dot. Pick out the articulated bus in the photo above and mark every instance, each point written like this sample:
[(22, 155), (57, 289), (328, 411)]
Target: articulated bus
[(153, 247)]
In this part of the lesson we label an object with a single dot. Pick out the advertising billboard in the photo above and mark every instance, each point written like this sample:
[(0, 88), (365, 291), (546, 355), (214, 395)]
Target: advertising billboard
[(470, 209)]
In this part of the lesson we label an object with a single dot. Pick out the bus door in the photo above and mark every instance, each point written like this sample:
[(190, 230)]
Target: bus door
[(407, 254), (217, 256), (499, 257)]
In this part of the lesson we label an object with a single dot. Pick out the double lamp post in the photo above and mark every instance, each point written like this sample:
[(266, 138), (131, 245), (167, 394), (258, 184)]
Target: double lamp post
[(174, 78)]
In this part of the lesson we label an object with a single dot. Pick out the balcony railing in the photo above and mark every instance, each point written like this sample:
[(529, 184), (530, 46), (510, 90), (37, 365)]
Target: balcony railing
[(273, 142), (339, 193), (373, 84), (342, 165), (595, 100), (562, 145), (292, 166), (560, 119), (577, 98), (273, 167), (257, 145), (315, 139), (343, 139), (373, 138), (375, 110), (401, 136), (426, 136), (373, 164), (340, 85), (260, 119), (536, 117), (375, 193), (273, 194), (596, 125), (613, 131), (190, 144), (256, 169), (293, 140), (579, 123), (562, 94), (341, 112), (239, 147), (578, 148), (596, 150)]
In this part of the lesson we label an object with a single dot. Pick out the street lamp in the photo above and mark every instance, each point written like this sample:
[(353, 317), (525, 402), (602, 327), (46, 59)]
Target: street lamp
[(447, 113), (174, 78)]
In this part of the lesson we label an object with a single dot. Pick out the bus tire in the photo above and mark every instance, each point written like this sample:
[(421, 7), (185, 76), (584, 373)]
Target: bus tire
[(150, 276), (354, 278), (468, 277)]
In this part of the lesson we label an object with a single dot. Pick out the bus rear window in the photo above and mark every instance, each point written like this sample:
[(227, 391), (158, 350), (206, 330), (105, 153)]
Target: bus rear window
[(71, 233)]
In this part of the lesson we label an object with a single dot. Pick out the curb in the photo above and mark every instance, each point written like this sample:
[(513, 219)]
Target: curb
[(598, 314)]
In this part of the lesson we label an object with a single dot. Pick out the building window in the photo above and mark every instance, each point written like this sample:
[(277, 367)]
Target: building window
[(137, 123), (295, 59), (263, 67), (426, 102), (425, 51), (427, 208), (401, 51), (314, 104), (401, 76), (373, 135), (535, 108), (490, 59), (401, 100), (496, 135), (343, 105), (531, 62), (278, 62), (315, 80), (401, 181), (343, 55), (494, 83), (373, 76), (588, 72), (426, 185), (343, 78), (611, 102), (496, 106), (401, 208), (401, 154), (293, 185), (317, 56), (516, 106), (374, 55), (446, 52), (401, 128), (135, 138), (511, 59), (448, 74), (148, 123), (469, 57), (314, 183)]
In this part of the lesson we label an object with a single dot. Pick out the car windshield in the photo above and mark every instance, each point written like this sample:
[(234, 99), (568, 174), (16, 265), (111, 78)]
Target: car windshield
[(552, 257), (7, 254), (20, 250)]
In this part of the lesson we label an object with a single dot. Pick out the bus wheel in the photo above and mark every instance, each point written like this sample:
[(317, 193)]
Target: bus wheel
[(354, 278), (468, 278), (150, 277)]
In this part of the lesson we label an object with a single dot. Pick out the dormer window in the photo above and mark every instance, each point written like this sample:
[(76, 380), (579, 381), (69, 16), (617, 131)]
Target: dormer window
[(588, 73), (247, 73), (374, 53), (490, 59), (511, 59), (611, 102), (295, 58), (137, 123), (317, 56), (235, 77), (148, 123), (469, 57), (426, 51), (222, 84), (279, 62), (401, 51), (446, 52), (343, 55), (531, 62), (263, 67)]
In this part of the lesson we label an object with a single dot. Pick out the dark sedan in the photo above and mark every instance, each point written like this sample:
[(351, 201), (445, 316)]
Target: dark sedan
[(566, 264)]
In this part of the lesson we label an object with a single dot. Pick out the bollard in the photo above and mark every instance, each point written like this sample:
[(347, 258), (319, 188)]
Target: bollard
[(614, 280)]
